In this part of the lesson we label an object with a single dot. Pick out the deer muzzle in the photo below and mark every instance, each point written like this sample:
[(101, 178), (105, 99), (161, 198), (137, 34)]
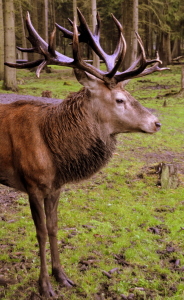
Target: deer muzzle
[(158, 126)]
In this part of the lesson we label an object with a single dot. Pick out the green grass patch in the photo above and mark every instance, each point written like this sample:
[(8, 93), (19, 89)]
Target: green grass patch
[(121, 218)]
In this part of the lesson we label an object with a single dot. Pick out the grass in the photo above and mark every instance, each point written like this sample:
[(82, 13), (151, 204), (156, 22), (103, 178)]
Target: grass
[(61, 81), (118, 219)]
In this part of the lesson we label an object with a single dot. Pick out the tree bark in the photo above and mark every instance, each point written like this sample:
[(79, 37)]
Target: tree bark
[(134, 29), (148, 32), (75, 9), (2, 42), (52, 12), (34, 19), (182, 79), (176, 48), (96, 61), (10, 81), (46, 20), (127, 8), (24, 41), (169, 177), (165, 51)]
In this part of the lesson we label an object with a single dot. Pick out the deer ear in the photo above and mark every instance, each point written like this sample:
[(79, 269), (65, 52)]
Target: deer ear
[(84, 78), (123, 83)]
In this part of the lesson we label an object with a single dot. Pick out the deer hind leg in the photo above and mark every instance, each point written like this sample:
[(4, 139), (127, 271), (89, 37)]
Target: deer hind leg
[(51, 204), (38, 214)]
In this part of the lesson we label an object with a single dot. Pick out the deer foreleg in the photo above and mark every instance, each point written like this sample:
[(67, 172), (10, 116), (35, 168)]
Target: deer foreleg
[(38, 214), (51, 204)]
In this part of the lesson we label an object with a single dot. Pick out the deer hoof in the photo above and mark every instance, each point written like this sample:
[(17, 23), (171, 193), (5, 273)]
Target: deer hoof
[(61, 277), (46, 290), (68, 283)]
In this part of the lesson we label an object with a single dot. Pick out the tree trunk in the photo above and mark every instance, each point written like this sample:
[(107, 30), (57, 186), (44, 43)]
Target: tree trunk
[(166, 49), (2, 42), (34, 19), (148, 32), (168, 45), (127, 8), (24, 41), (52, 17), (10, 81), (46, 20), (176, 48), (182, 79), (75, 9), (96, 61), (52, 12), (134, 29), (169, 177)]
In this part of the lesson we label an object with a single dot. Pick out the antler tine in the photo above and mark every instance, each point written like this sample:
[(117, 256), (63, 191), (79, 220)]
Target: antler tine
[(76, 52), (29, 50), (32, 32), (94, 41), (121, 43), (131, 72), (40, 68), (98, 26), (154, 68), (120, 50), (86, 35), (51, 47), (66, 33), (34, 38), (26, 65), (79, 62)]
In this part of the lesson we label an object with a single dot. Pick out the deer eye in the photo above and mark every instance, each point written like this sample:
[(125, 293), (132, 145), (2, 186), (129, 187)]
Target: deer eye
[(120, 101)]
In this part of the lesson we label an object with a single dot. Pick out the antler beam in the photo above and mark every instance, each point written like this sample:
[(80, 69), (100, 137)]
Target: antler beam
[(93, 40), (82, 33)]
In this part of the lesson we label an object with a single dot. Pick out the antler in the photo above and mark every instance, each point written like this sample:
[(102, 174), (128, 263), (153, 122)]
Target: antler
[(41, 47), (133, 72), (82, 33), (86, 36)]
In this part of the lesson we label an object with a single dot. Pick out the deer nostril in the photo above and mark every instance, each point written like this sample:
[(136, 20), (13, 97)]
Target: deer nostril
[(158, 125)]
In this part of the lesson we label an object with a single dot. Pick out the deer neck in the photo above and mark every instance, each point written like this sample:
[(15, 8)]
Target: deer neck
[(78, 144)]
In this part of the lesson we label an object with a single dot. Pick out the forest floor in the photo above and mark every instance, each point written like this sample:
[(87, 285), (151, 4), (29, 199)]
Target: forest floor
[(121, 235)]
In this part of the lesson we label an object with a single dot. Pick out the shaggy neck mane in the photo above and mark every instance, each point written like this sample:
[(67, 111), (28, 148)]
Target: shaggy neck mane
[(73, 136)]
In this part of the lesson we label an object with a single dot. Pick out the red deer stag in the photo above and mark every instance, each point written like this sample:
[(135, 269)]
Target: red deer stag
[(43, 146)]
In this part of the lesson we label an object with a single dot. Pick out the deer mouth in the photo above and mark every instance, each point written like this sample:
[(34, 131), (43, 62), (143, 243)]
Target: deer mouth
[(158, 126), (154, 129)]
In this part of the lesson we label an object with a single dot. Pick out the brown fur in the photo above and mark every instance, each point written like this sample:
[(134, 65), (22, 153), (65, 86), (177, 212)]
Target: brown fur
[(43, 146), (76, 146), (68, 131)]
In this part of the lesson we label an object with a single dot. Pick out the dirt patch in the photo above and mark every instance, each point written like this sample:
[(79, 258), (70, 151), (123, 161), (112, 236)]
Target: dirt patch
[(9, 98), (152, 158), (8, 197), (167, 157), (158, 87)]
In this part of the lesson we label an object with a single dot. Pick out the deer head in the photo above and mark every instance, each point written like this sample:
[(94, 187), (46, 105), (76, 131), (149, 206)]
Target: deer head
[(106, 87)]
